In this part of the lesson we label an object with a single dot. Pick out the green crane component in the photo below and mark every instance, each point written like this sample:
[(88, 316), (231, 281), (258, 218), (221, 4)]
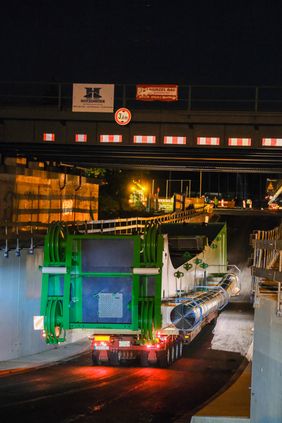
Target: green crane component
[(149, 304), (103, 282), (187, 266), (150, 245), (53, 321), (54, 251), (178, 274)]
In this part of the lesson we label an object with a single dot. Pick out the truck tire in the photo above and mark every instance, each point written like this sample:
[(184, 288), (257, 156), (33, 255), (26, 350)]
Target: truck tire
[(180, 349), (173, 352), (176, 351), (164, 358), (114, 358), (144, 359), (95, 358)]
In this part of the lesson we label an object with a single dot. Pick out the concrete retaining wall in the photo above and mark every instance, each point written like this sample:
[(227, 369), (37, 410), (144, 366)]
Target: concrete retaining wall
[(20, 289), (266, 402)]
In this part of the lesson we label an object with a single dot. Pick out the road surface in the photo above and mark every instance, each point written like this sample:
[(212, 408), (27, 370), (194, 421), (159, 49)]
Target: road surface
[(75, 391)]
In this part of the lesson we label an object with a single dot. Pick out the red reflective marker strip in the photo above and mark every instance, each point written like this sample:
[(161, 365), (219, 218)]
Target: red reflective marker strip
[(272, 142), (144, 139), (238, 142), (48, 136), (80, 137), (174, 140), (110, 138), (208, 140)]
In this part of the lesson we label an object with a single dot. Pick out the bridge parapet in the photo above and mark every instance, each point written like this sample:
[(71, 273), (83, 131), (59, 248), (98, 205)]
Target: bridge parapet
[(208, 128), (58, 96)]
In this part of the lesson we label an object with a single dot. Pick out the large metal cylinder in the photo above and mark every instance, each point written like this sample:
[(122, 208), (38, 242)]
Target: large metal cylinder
[(191, 311)]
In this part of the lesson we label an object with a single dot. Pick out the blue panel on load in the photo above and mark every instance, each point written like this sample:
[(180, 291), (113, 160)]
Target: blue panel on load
[(56, 285), (107, 255), (106, 300)]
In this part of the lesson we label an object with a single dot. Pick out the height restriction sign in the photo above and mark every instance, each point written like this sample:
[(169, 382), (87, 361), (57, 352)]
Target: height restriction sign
[(122, 116)]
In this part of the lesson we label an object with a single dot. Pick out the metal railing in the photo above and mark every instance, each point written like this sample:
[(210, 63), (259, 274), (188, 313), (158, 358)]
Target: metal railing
[(30, 235), (58, 95)]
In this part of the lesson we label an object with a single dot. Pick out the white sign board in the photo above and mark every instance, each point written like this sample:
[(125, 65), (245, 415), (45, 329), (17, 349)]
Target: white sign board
[(38, 322), (93, 98)]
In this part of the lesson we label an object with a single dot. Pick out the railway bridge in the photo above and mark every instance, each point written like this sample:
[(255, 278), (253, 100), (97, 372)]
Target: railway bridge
[(209, 128), (213, 129)]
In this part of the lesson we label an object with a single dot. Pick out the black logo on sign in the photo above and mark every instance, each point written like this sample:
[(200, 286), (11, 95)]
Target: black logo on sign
[(92, 93)]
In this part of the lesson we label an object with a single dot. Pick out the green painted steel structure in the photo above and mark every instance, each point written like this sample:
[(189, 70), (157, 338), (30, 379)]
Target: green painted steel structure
[(77, 275)]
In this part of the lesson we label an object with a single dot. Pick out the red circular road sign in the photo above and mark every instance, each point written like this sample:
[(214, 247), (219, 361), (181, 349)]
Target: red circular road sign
[(123, 116)]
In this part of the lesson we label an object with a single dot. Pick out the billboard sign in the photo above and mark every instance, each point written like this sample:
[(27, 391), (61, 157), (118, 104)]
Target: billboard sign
[(93, 98), (157, 92)]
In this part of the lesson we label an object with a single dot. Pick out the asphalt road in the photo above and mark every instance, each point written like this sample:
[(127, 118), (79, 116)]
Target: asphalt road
[(75, 391)]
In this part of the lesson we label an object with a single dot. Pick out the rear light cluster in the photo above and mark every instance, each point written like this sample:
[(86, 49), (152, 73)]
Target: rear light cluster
[(158, 342), (100, 342), (158, 346), (105, 341)]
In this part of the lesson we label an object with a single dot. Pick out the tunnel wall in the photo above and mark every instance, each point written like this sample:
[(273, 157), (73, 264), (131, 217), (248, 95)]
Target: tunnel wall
[(20, 289), (266, 400)]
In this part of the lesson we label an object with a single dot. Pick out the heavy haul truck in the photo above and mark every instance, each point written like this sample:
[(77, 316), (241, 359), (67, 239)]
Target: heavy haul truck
[(143, 295)]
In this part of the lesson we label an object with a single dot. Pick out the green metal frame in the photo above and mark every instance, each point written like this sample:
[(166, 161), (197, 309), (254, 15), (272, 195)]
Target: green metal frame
[(64, 250)]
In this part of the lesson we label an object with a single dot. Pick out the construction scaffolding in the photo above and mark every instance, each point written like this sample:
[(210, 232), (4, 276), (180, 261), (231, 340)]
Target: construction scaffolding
[(267, 265)]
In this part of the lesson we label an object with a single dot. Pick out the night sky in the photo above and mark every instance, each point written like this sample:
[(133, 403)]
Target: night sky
[(203, 42)]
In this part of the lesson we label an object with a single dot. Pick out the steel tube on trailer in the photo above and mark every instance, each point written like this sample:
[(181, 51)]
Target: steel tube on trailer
[(191, 311)]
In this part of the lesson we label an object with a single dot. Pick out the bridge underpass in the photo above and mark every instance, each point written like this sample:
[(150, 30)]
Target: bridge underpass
[(21, 135), (209, 128)]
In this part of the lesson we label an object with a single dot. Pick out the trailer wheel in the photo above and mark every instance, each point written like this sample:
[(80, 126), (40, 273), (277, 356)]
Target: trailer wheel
[(176, 351), (180, 349), (95, 358), (164, 358), (144, 359), (114, 358), (173, 353)]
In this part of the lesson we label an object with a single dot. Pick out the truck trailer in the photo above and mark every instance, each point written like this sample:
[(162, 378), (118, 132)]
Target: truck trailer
[(144, 295)]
